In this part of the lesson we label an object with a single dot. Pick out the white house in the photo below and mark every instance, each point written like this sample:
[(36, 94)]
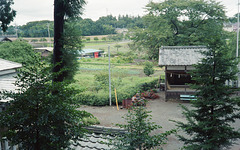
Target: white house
[(8, 70)]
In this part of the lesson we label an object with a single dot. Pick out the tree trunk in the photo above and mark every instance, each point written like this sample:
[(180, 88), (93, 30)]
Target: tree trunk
[(58, 44)]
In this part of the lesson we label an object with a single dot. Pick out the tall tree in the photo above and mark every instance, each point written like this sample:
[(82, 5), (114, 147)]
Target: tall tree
[(178, 22), (209, 121), (62, 9), (6, 13)]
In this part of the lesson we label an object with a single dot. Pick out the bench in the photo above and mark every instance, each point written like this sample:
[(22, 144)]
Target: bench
[(187, 97)]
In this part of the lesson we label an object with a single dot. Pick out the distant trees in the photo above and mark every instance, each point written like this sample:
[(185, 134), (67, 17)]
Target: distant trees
[(6, 13), (103, 26), (36, 29)]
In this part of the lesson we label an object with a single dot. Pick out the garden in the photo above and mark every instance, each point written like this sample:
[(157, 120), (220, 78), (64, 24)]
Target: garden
[(127, 77)]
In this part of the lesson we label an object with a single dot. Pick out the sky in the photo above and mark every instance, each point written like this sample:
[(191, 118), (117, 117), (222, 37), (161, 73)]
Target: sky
[(36, 10)]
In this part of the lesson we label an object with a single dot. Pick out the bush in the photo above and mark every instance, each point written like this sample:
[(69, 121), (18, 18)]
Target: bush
[(91, 120), (95, 38), (148, 68), (34, 40), (43, 40), (88, 39)]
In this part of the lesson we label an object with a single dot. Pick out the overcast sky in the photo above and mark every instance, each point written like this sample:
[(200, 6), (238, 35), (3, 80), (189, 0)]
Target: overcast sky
[(35, 10)]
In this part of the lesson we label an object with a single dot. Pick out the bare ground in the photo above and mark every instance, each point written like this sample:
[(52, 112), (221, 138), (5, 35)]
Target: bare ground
[(162, 112)]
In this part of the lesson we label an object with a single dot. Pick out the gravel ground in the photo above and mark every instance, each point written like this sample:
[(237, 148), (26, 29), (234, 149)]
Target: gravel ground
[(162, 112)]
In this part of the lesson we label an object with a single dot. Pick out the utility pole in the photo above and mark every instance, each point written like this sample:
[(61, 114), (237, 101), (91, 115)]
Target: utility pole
[(237, 41), (49, 35), (237, 30), (109, 71)]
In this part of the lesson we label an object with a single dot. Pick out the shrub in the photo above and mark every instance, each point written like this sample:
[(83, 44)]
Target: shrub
[(95, 38), (91, 120), (34, 40), (88, 39), (43, 40), (148, 68)]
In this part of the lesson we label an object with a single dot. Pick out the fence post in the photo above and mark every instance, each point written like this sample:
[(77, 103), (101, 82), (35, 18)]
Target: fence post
[(0, 145), (14, 147), (5, 143)]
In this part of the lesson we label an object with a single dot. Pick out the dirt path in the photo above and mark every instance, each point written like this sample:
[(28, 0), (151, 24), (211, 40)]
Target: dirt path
[(162, 112)]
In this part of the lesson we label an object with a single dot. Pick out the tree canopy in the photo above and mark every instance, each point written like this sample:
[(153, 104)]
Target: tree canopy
[(209, 122), (6, 13), (17, 51), (178, 22)]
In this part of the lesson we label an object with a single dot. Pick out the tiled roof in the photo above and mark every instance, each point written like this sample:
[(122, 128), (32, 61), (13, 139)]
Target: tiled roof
[(6, 65), (98, 138), (87, 51), (180, 55)]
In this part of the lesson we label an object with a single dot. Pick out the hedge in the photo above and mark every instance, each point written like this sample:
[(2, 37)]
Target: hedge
[(101, 98)]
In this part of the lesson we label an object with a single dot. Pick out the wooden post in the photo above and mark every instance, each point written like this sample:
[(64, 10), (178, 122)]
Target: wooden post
[(165, 83), (5, 143)]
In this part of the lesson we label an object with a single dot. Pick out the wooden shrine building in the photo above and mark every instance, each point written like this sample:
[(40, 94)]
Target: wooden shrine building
[(178, 61)]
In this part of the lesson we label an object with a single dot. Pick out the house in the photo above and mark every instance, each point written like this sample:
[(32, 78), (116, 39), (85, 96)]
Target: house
[(5, 39), (44, 51), (178, 61), (8, 70), (92, 53)]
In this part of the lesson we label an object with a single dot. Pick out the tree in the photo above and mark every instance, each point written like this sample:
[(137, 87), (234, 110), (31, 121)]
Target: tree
[(209, 122), (62, 9), (139, 127), (6, 13), (233, 19), (17, 51), (37, 119), (118, 46), (181, 22), (148, 68)]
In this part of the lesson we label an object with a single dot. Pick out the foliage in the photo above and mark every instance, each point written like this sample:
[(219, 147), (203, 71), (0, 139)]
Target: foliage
[(63, 10), (36, 29), (102, 80), (17, 51), (209, 122), (118, 46), (91, 120), (103, 26), (233, 19), (72, 45), (181, 22), (38, 119), (125, 89), (139, 129), (95, 39), (6, 13), (117, 37), (43, 40), (148, 68)]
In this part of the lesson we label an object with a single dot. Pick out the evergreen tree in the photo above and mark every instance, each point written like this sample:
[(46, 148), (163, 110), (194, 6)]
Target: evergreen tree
[(148, 68), (209, 122), (63, 9), (139, 131)]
